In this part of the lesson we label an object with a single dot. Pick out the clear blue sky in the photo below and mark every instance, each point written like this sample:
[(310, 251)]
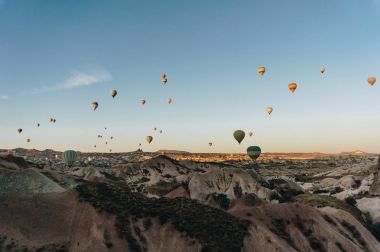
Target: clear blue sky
[(56, 57)]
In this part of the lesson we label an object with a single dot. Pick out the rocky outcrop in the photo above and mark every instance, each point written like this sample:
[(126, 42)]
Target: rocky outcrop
[(296, 227), (375, 188), (27, 181), (232, 182)]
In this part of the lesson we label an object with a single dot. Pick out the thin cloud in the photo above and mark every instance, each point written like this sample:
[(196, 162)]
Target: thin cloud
[(3, 97), (78, 79)]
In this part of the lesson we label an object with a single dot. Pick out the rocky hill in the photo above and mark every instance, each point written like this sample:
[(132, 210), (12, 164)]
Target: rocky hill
[(161, 204)]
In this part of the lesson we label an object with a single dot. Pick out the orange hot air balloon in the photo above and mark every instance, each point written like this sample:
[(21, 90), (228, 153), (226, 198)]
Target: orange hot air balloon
[(269, 110), (322, 70), (142, 102), (169, 100), (164, 79), (261, 70), (372, 80), (94, 105), (292, 87)]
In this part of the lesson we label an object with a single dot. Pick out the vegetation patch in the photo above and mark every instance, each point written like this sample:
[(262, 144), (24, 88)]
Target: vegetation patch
[(163, 187), (222, 200), (206, 224)]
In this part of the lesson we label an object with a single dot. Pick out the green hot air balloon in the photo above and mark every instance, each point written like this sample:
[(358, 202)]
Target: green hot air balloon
[(253, 152), (239, 135), (69, 157)]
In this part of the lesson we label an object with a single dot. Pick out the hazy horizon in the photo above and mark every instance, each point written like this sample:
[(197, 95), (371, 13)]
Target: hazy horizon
[(56, 58)]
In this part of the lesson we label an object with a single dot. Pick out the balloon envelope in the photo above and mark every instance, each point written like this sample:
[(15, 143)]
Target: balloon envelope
[(113, 93), (292, 87), (322, 70), (269, 110), (261, 70), (239, 135), (69, 157), (164, 79), (94, 105), (149, 139), (253, 152), (372, 80)]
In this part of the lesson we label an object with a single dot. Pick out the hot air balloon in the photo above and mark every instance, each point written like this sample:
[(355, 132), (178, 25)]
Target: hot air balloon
[(250, 133), (142, 102), (28, 140), (269, 110), (113, 93), (210, 144), (94, 146), (372, 80), (19, 130), (111, 137), (54, 120), (164, 79), (322, 70), (261, 70), (169, 100), (155, 129), (160, 131), (38, 125), (139, 144), (239, 135), (149, 139), (110, 150), (253, 152), (51, 119), (69, 157), (94, 105), (106, 142), (292, 87)]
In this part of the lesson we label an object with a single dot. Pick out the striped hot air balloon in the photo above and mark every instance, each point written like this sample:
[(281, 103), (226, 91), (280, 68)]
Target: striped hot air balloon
[(69, 157)]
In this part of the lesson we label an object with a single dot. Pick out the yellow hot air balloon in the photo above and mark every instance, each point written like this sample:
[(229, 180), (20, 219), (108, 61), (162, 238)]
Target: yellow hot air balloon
[(292, 87), (94, 105), (169, 100), (322, 70), (250, 133), (372, 80), (261, 70), (113, 93), (269, 110), (142, 102), (164, 79), (149, 139)]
